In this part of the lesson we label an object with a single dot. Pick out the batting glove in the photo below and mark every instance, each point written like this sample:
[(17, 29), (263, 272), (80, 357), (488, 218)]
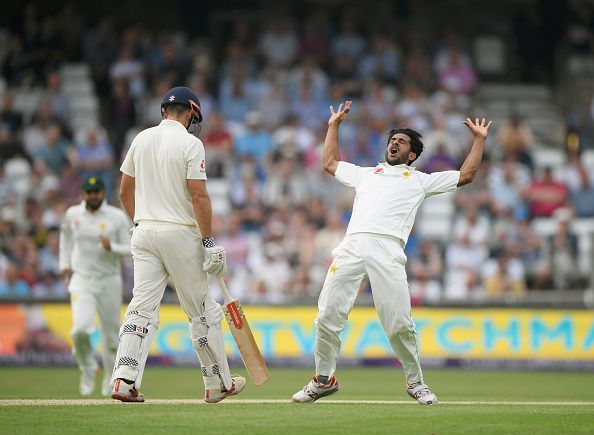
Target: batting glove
[(215, 262)]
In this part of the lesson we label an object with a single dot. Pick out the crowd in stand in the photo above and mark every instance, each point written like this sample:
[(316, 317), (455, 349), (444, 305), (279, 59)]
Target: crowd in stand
[(265, 97)]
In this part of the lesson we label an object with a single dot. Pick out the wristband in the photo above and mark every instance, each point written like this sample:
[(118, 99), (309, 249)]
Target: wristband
[(208, 242)]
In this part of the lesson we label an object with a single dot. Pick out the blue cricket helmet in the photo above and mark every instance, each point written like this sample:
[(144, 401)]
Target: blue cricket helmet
[(183, 95)]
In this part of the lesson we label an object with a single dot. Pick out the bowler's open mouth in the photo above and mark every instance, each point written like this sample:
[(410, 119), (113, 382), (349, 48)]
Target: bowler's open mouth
[(393, 151)]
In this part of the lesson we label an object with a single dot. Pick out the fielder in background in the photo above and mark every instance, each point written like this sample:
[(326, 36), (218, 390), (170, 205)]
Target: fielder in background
[(93, 238), (163, 189), (387, 199)]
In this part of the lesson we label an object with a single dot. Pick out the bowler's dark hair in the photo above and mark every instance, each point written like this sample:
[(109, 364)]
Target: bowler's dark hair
[(416, 146)]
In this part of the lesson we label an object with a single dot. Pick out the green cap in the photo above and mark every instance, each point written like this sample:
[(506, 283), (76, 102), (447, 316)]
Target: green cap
[(93, 183)]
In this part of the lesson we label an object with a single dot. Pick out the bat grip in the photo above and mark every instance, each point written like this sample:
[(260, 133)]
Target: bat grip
[(222, 287), (224, 291)]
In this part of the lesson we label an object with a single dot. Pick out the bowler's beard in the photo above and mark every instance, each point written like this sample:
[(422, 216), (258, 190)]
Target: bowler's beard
[(93, 204), (398, 160)]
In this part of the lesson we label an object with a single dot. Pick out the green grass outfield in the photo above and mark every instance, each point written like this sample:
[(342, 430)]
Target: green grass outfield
[(471, 402)]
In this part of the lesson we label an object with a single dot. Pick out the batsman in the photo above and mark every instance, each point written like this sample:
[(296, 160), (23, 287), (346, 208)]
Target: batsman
[(386, 202), (163, 189)]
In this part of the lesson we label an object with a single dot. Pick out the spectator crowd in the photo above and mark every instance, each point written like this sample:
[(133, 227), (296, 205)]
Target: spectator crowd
[(265, 92)]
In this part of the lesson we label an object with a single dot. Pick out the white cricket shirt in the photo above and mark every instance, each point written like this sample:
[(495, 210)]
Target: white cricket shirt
[(388, 197), (80, 247), (162, 159)]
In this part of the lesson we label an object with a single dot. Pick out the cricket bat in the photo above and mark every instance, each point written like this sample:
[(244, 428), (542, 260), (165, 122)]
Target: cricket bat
[(240, 329)]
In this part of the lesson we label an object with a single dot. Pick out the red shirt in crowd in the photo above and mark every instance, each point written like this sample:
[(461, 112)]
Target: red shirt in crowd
[(546, 196)]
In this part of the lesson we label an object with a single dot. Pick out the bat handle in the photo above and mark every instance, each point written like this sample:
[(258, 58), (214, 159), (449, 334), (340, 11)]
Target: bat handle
[(224, 291), (222, 287)]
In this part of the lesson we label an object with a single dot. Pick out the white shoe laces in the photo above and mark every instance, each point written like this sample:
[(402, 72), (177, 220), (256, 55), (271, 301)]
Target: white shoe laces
[(311, 389), (421, 392)]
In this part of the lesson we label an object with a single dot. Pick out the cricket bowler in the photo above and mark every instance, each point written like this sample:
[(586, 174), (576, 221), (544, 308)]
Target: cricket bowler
[(386, 202)]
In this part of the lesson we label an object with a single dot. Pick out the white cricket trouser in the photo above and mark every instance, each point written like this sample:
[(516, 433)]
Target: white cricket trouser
[(162, 251), (381, 259), (90, 296)]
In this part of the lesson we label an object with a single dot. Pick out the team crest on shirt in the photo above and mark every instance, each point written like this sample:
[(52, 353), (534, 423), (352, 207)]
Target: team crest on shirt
[(333, 268), (102, 227), (406, 174), (379, 170)]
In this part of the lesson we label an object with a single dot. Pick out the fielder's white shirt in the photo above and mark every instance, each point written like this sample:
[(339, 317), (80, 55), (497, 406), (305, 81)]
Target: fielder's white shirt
[(80, 247), (388, 197), (162, 159)]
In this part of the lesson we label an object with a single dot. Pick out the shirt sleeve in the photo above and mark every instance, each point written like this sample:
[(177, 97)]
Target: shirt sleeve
[(440, 182), (121, 246), (195, 162), (65, 243), (128, 163), (348, 174)]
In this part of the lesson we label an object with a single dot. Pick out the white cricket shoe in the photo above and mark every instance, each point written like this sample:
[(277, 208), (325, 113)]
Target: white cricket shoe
[(214, 396), (87, 381), (421, 393), (106, 387), (315, 390), (126, 392)]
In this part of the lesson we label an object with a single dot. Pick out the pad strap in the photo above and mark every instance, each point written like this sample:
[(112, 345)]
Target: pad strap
[(131, 328), (211, 370), (198, 319), (127, 361), (141, 313)]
